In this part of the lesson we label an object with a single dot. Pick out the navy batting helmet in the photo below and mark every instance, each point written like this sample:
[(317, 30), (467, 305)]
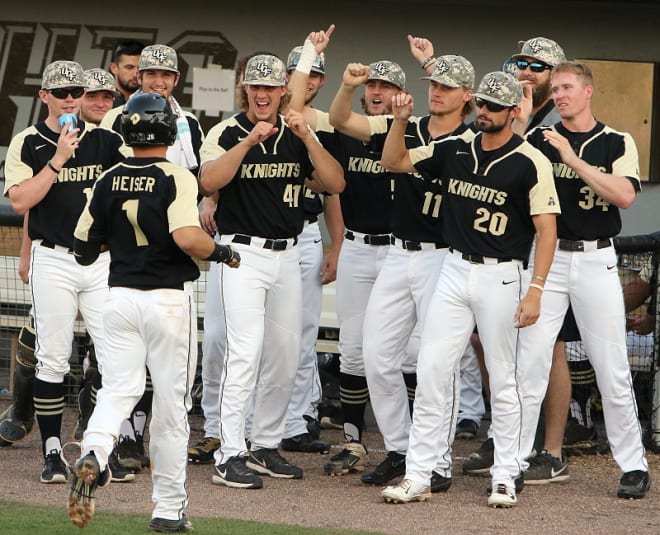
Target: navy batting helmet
[(148, 119)]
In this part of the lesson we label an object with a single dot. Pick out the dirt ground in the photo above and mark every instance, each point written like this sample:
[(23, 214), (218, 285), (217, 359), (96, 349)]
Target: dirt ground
[(588, 504)]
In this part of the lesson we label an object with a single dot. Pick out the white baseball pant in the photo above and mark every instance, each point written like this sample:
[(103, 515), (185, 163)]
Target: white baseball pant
[(590, 281), (263, 305), (307, 388), (60, 288), (465, 293), (155, 329)]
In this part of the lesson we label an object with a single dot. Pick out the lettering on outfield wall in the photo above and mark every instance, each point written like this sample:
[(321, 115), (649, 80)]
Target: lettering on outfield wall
[(27, 47)]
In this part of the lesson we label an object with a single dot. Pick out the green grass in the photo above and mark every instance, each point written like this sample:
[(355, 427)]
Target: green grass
[(21, 519)]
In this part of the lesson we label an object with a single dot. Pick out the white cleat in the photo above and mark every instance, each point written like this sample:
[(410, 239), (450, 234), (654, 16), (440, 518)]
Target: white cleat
[(406, 491), (502, 496)]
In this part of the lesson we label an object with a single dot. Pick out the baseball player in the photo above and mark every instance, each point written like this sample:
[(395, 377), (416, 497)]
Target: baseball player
[(124, 63), (257, 161), (145, 212), (596, 172), (158, 72), (497, 194), (400, 294), (50, 170), (99, 97), (301, 431), (366, 206), (532, 67)]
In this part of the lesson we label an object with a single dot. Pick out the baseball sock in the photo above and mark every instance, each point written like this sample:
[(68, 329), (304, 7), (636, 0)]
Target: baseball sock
[(411, 385), (583, 380), (354, 396), (49, 407)]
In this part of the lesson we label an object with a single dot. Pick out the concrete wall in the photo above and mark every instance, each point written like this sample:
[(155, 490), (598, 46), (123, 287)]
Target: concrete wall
[(485, 32)]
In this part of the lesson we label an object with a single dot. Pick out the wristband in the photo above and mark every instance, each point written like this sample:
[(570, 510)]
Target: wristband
[(538, 277), (220, 253), (307, 57), (52, 167), (537, 286), (427, 62)]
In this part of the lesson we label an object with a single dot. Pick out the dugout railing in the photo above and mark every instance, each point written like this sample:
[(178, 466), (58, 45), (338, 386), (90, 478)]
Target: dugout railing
[(634, 252)]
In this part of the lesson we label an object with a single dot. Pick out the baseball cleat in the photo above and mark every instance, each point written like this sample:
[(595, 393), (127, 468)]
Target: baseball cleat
[(439, 483), (269, 462), (202, 452), (54, 470), (502, 496), (466, 429), (305, 443), (479, 462), (405, 492), (394, 465), (86, 478), (634, 485), (544, 468), (235, 474), (164, 525), (351, 458)]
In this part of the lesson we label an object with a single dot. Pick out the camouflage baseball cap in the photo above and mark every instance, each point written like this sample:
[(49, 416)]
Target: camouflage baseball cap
[(100, 80), (501, 88), (159, 57), (63, 74), (452, 71), (388, 71), (264, 69), (294, 57), (541, 49)]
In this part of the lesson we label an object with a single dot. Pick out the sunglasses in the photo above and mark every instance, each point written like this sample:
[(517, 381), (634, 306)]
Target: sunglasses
[(534, 66), (62, 92), (490, 106)]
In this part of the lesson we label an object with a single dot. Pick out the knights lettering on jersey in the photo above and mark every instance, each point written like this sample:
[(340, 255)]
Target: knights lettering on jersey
[(358, 164), (476, 191), (270, 170), (79, 174)]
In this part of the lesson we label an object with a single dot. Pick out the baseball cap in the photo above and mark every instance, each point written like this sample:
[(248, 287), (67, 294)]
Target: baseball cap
[(541, 49), (100, 80), (294, 57), (159, 57), (452, 71), (63, 74), (388, 71), (501, 88), (264, 69)]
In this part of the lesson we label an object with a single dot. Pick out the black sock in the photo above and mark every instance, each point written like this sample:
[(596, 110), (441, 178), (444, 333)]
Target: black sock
[(411, 384), (354, 397), (49, 406)]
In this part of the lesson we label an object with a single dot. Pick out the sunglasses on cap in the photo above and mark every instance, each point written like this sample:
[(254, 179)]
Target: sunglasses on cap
[(534, 66), (62, 92), (490, 106)]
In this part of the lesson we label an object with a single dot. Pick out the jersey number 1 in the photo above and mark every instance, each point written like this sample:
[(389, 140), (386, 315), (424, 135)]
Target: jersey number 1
[(131, 209)]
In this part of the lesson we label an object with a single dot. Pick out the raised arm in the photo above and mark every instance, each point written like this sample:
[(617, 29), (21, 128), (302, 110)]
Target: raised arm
[(315, 43), (422, 50), (395, 154), (328, 175), (342, 116)]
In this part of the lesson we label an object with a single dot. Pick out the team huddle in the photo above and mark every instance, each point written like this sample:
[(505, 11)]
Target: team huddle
[(482, 220)]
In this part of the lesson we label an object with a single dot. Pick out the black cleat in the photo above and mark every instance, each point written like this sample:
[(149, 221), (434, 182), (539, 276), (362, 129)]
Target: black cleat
[(634, 485), (394, 465)]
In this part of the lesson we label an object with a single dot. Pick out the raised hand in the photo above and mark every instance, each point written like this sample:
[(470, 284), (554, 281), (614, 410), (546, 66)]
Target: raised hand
[(355, 74), (420, 48), (321, 39), (261, 131), (296, 122), (402, 106)]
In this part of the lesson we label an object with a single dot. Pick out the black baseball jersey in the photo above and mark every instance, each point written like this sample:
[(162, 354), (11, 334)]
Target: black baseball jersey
[(366, 202), (489, 196), (416, 214), (585, 215), (312, 204), (112, 121), (265, 197), (134, 208), (54, 218)]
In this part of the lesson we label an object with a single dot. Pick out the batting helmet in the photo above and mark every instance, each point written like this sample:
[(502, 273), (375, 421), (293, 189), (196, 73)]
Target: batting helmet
[(148, 119)]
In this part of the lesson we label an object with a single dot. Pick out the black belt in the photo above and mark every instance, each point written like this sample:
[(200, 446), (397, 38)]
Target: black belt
[(370, 239), (51, 245), (311, 219), (415, 245), (480, 259), (570, 245), (275, 245)]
